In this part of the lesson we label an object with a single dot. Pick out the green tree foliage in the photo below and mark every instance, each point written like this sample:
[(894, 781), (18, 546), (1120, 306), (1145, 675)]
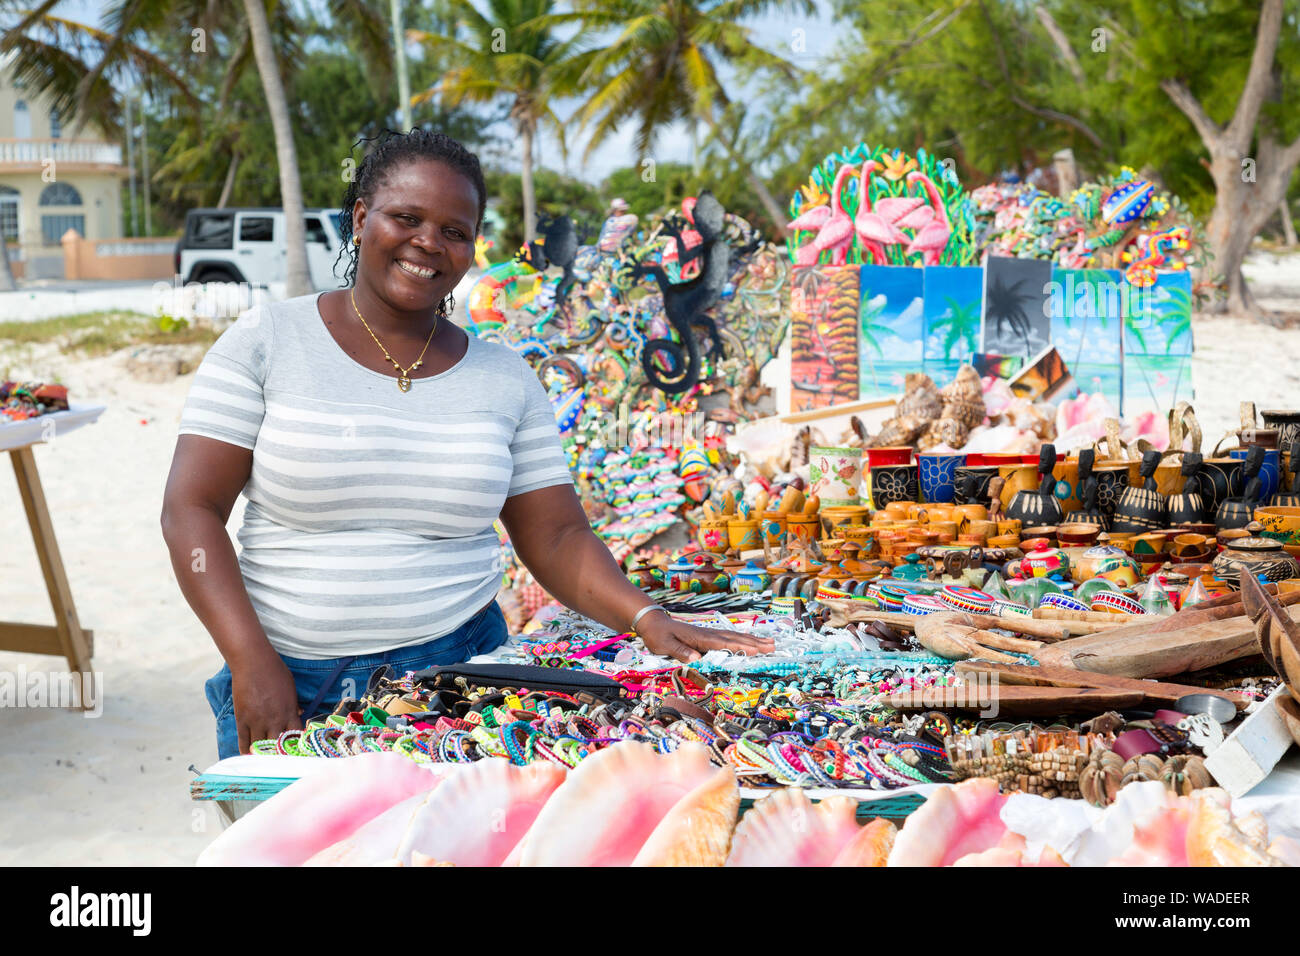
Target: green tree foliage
[(1000, 85), (673, 182), (557, 195)]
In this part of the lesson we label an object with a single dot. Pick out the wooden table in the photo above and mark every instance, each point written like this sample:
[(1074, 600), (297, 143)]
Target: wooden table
[(66, 636)]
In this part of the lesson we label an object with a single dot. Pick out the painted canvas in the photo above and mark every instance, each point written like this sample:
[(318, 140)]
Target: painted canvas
[(1158, 344), (1015, 317), (824, 336), (1045, 378), (1155, 383), (891, 328), (1158, 318), (951, 304), (1086, 308), (992, 365)]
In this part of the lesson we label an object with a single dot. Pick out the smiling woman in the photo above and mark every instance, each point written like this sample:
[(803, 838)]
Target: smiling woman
[(376, 444)]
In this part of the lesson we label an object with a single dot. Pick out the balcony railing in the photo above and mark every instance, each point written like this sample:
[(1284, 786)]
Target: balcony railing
[(35, 151)]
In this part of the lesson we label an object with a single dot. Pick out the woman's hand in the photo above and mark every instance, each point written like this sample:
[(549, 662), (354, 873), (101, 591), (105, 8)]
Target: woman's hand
[(686, 642), (266, 701)]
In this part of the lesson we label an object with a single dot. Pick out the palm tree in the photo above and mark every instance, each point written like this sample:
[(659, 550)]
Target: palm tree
[(298, 274), (69, 62), (662, 67), (76, 64), (509, 51)]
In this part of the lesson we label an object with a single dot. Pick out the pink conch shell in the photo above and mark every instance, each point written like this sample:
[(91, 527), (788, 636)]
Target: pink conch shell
[(1215, 839), (870, 846), (318, 811), (787, 829), (1159, 839), (419, 859), (1010, 851), (479, 815), (950, 824), (611, 804), (374, 842), (697, 830), (1285, 849)]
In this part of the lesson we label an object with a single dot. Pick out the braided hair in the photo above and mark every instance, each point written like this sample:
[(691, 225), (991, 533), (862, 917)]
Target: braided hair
[(390, 150)]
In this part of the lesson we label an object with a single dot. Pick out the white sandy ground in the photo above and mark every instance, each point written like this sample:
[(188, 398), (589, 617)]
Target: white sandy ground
[(114, 789)]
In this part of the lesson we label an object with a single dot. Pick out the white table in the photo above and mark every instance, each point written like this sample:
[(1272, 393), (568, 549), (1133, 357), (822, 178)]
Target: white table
[(66, 636)]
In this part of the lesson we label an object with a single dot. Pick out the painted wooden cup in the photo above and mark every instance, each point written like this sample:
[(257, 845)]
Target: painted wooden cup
[(774, 528), (835, 475), (894, 483), (939, 475), (713, 534), (802, 527), (889, 455), (743, 534)]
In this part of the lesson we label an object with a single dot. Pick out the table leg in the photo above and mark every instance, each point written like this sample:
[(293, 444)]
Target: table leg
[(72, 639)]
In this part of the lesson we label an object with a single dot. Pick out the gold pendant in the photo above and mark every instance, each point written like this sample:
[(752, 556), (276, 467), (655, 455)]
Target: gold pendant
[(403, 383)]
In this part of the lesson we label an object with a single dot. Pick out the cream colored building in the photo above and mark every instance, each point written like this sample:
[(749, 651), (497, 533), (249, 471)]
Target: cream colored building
[(51, 182)]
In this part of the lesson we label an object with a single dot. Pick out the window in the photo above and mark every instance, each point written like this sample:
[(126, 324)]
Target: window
[(60, 194), (316, 231), (56, 126), (9, 213), (53, 227), (22, 121), (211, 231), (256, 229)]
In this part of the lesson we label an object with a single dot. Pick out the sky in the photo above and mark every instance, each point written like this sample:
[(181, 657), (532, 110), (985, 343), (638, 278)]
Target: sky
[(779, 33)]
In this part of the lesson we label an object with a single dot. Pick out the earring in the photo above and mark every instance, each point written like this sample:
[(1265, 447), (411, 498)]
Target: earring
[(356, 240)]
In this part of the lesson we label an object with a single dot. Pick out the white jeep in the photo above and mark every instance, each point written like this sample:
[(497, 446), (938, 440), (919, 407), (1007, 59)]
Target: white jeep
[(248, 245)]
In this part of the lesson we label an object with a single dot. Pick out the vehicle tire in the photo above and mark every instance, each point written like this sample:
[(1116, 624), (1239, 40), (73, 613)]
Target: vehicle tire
[(215, 274)]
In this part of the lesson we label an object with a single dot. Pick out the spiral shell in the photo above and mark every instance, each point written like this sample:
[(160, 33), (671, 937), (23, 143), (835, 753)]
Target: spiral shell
[(920, 399), (963, 397), (898, 431), (944, 431)]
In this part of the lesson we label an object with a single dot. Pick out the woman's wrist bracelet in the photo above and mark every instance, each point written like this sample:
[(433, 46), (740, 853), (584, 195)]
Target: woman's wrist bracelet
[(642, 613)]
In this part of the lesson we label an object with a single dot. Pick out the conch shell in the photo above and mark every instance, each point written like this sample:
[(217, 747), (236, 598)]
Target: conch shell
[(898, 431), (921, 399), (944, 431), (963, 398)]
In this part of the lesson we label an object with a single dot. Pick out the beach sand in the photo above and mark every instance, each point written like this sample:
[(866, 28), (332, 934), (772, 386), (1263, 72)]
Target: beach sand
[(111, 789), (114, 789)]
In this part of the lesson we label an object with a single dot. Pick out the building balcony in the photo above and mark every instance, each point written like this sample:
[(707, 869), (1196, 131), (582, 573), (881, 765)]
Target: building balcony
[(18, 155)]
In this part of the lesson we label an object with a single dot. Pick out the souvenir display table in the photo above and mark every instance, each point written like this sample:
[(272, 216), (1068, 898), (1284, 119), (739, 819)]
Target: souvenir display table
[(1015, 623), (66, 636)]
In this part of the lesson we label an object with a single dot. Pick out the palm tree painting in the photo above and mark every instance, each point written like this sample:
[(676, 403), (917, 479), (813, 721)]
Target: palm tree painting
[(1159, 319), (952, 318), (1158, 342), (891, 328), (1016, 319)]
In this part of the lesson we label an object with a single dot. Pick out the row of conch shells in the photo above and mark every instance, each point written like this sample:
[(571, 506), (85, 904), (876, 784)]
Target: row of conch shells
[(629, 805)]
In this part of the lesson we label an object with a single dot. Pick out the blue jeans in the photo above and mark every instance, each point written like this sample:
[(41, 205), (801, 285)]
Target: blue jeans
[(480, 634)]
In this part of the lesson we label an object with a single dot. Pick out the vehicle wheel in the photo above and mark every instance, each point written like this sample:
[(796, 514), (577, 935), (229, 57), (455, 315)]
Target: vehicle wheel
[(217, 274)]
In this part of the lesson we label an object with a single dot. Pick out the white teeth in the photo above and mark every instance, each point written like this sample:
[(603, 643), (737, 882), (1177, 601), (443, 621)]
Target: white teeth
[(416, 270)]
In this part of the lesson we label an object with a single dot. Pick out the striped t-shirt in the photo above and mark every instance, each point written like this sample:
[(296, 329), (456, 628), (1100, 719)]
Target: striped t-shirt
[(370, 510)]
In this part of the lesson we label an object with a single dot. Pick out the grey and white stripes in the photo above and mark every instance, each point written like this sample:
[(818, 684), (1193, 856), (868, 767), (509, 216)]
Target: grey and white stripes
[(370, 512)]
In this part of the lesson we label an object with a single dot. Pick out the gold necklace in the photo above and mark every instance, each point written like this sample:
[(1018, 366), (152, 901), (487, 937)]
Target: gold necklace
[(403, 374)]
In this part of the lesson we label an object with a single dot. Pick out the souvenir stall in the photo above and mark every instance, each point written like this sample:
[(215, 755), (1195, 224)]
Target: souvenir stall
[(31, 413), (1022, 615)]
